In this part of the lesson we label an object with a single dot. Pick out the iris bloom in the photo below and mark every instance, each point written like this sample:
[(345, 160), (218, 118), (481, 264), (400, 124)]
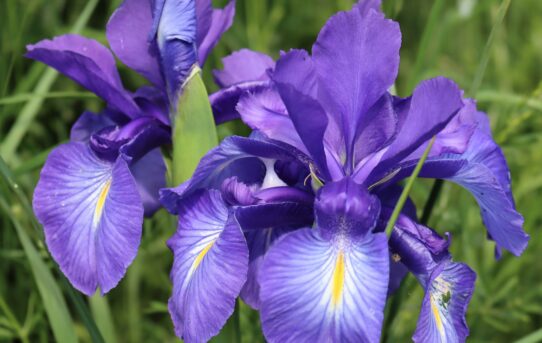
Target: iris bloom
[(94, 191), (328, 120)]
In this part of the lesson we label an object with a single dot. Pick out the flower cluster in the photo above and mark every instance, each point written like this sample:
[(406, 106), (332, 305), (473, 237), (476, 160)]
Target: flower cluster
[(94, 191), (291, 219)]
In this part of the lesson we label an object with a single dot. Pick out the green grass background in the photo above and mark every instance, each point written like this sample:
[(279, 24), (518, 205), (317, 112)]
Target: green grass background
[(441, 37)]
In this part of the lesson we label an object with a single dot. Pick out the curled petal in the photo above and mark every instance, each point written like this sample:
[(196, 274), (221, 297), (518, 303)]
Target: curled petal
[(88, 63), (127, 34)]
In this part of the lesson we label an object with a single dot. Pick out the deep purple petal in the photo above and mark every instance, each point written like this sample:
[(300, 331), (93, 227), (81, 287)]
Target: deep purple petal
[(153, 102), (310, 122), (483, 171), (88, 63), (87, 124), (444, 307), (92, 216), (297, 69), (235, 156), (150, 175), (357, 58), (204, 16), (209, 268), (315, 291), (243, 66), (433, 104), (345, 208), (174, 29), (127, 33), (263, 110), (221, 21), (224, 102)]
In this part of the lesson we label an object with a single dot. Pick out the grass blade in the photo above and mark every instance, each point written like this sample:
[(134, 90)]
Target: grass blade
[(53, 301), (406, 190), (32, 107), (532, 338)]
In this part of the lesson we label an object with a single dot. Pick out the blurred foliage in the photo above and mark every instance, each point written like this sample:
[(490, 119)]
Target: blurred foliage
[(507, 304)]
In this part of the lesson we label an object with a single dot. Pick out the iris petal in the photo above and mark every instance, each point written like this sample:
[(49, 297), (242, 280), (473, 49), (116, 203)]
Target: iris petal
[(92, 216), (314, 291), (209, 269)]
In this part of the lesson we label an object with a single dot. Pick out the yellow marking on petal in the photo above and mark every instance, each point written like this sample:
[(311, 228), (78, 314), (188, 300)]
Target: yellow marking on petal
[(338, 280), (436, 314), (101, 201), (201, 255)]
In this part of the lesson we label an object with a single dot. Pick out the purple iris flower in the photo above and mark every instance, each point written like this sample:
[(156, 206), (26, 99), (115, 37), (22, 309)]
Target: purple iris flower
[(94, 191), (329, 120)]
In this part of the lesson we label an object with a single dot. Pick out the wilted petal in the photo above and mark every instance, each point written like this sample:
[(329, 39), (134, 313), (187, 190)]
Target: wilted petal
[(127, 32), (209, 269), (88, 63), (92, 216)]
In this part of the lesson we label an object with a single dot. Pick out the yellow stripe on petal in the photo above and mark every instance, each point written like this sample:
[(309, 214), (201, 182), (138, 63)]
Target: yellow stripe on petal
[(436, 314), (337, 280), (201, 255), (101, 201)]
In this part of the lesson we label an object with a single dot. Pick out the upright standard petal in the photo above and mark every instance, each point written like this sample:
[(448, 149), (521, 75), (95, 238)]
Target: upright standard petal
[(357, 58), (243, 66), (209, 268), (88, 63), (127, 32), (244, 71), (92, 216), (221, 21)]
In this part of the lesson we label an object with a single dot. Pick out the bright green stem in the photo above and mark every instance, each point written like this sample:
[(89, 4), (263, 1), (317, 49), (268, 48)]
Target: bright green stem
[(408, 187), (33, 106), (194, 132)]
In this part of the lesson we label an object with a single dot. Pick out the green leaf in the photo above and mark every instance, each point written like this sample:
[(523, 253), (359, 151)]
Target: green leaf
[(53, 301), (30, 110), (194, 132), (99, 306)]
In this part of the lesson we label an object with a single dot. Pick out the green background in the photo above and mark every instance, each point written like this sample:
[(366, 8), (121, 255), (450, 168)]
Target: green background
[(450, 38)]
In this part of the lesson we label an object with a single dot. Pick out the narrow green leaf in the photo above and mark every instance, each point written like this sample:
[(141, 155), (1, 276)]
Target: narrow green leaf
[(532, 338), (32, 107), (53, 301), (18, 98), (404, 194), (480, 72), (99, 306), (194, 131)]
